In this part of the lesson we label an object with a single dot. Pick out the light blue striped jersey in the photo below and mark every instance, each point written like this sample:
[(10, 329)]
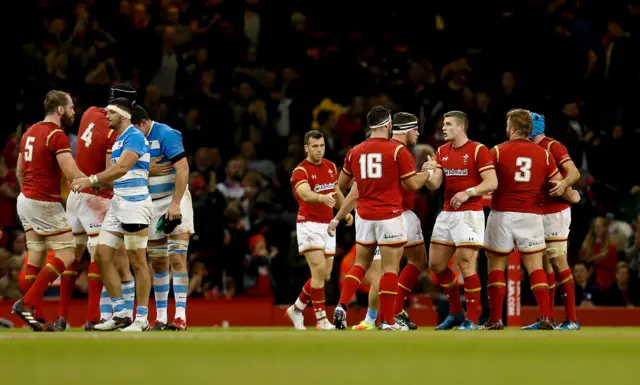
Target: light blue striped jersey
[(165, 147), (132, 186)]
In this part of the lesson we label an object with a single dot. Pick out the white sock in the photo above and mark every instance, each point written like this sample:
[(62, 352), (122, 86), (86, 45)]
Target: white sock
[(180, 288), (161, 293), (129, 295), (299, 305)]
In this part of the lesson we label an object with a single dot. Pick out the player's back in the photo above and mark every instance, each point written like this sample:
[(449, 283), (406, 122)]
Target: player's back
[(132, 186), (523, 169), (164, 144), (95, 140), (40, 145), (560, 155), (374, 165)]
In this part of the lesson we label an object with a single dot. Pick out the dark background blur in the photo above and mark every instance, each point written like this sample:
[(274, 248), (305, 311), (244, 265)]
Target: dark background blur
[(244, 80)]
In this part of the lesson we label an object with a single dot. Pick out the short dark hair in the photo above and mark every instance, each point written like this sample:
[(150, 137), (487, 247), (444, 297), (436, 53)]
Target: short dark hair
[(313, 134), (460, 117), (377, 115), (53, 100), (521, 121), (139, 114)]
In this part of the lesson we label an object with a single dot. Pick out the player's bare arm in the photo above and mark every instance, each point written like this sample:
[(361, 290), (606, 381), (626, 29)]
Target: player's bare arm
[(573, 174), (416, 181), (305, 193), (344, 212), (68, 166), (182, 178), (340, 199), (489, 184), (569, 194), (19, 166), (124, 164), (345, 181), (435, 180)]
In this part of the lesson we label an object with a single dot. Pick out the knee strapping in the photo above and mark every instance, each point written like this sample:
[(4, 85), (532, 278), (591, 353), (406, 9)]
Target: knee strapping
[(36, 246), (135, 242), (92, 242), (178, 246), (108, 239), (59, 245), (158, 251), (80, 239)]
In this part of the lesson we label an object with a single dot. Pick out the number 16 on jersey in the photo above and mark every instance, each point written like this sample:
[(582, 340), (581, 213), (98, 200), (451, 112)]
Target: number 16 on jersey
[(371, 166)]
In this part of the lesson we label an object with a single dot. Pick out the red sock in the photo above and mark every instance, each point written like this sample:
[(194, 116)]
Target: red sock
[(50, 273), (25, 283), (497, 288), (568, 294), (407, 280), (95, 289), (351, 284), (472, 294), (449, 284), (551, 280), (67, 284), (317, 299), (540, 289), (388, 292), (305, 294)]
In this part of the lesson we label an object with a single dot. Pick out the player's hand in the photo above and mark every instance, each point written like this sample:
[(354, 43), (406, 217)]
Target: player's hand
[(348, 219), (558, 188), (575, 197), (430, 164), (329, 199), (174, 211), (157, 169), (80, 184), (331, 230), (459, 199)]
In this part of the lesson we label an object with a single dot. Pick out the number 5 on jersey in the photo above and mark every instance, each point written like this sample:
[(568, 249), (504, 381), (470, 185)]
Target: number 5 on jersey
[(524, 175), (371, 166), (28, 147), (87, 135)]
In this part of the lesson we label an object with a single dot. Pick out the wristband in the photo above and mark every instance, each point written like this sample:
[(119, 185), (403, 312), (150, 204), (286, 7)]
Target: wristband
[(335, 220), (94, 180), (471, 191)]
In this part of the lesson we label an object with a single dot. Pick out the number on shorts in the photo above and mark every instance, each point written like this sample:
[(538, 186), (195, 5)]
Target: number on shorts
[(28, 148), (524, 175), (87, 135), (371, 166)]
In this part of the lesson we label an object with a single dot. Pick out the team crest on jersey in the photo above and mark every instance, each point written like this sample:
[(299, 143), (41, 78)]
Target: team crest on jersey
[(331, 173), (465, 157), (117, 145), (324, 187), (456, 172)]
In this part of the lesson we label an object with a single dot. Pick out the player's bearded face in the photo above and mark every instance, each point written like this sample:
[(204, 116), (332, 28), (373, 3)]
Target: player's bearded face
[(69, 114), (412, 137)]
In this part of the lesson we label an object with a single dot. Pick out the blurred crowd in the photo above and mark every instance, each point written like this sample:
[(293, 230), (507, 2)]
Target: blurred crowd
[(244, 80)]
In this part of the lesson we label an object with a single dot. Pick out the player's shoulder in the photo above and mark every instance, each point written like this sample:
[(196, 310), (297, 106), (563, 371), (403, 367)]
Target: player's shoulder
[(328, 164), (444, 148), (165, 130)]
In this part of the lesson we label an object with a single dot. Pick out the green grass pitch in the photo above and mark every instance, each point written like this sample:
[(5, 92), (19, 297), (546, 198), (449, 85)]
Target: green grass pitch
[(266, 356)]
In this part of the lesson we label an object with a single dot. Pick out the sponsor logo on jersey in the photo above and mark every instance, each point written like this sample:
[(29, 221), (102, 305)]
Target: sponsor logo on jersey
[(324, 187), (456, 172)]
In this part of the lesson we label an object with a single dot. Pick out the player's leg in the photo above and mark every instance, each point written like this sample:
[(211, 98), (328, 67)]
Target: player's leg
[(365, 248), (441, 251), (329, 262), (498, 239), (178, 247), (528, 231), (37, 257), (68, 280), (373, 275), (95, 289), (109, 242), (416, 254), (551, 281), (135, 240), (127, 280), (391, 238), (466, 259), (159, 257)]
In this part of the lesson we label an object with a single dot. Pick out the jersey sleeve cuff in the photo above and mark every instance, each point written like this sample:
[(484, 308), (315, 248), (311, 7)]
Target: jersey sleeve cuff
[(553, 173), (564, 160), (407, 175), (63, 150), (176, 158), (347, 172), (300, 183), (486, 168)]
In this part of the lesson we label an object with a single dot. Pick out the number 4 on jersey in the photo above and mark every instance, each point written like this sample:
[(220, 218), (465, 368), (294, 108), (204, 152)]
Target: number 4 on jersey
[(87, 134), (371, 166)]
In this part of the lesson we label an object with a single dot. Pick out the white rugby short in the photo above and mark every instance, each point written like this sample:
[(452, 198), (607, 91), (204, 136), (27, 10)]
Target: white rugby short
[(45, 218), (123, 211), (556, 232), (413, 229), (459, 228), (160, 207), (86, 212), (314, 236), (504, 229), (386, 232)]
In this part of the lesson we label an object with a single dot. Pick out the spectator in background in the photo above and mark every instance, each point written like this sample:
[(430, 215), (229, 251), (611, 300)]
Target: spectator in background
[(599, 251), (257, 278), (623, 292), (633, 252), (9, 284), (350, 123), (231, 187), (8, 195), (586, 292)]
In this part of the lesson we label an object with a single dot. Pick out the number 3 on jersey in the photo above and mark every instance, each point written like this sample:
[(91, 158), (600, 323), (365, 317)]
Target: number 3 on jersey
[(87, 134), (524, 175), (371, 166)]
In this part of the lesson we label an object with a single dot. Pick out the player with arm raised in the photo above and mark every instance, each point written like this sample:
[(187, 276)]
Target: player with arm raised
[(557, 220), (128, 217), (45, 154), (171, 200), (523, 169), (314, 182), (380, 168), (468, 171)]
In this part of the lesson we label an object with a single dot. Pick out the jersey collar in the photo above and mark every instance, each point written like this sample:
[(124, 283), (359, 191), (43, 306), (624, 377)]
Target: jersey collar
[(151, 128)]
